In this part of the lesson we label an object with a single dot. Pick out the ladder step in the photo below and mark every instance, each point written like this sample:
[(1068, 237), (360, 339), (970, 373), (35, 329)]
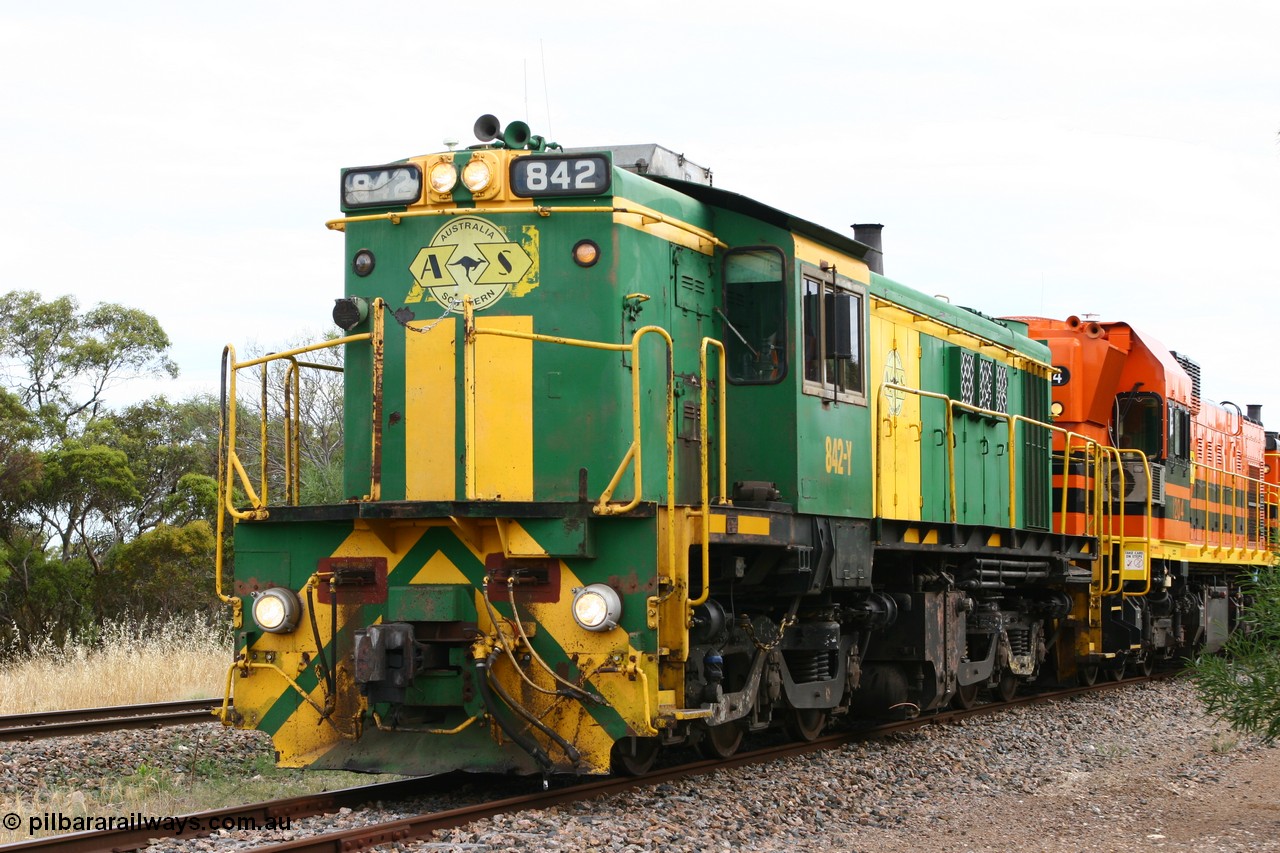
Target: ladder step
[(672, 713)]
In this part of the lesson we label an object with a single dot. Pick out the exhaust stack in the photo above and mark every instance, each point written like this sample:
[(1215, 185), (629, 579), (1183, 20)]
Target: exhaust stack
[(869, 235)]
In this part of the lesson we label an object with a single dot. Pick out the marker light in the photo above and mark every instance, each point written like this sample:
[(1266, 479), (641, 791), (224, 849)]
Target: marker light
[(476, 175), (363, 262), (276, 610), (586, 253), (443, 177), (597, 607), (1056, 409)]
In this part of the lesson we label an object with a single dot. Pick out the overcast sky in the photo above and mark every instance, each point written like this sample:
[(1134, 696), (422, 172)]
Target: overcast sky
[(1114, 158)]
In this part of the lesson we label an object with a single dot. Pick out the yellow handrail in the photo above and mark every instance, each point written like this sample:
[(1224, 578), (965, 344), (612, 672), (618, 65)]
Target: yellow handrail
[(234, 466), (951, 462), (704, 461), (1148, 514), (634, 452), (378, 342), (230, 467), (1107, 525), (650, 215), (1238, 483)]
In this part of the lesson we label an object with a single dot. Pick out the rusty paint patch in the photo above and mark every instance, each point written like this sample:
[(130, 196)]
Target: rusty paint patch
[(631, 584), (537, 580), (358, 580), (248, 585)]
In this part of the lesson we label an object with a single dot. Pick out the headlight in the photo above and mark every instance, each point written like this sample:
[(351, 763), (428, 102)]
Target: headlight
[(476, 175), (596, 607), (276, 610), (443, 177)]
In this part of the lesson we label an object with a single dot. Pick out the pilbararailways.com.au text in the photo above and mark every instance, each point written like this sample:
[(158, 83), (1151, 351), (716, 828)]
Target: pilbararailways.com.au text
[(57, 822)]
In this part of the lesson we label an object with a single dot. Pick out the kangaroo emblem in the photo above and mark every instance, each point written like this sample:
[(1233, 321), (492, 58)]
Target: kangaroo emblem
[(472, 258), (469, 264)]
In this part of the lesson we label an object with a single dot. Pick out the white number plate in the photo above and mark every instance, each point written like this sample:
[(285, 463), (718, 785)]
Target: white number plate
[(560, 175), (381, 186)]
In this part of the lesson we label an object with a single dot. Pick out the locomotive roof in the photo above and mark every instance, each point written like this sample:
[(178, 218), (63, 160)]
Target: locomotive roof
[(963, 318), (967, 319), (758, 210)]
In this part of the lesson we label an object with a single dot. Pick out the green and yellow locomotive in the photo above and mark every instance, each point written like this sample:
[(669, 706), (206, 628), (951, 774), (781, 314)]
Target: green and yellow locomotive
[(633, 461)]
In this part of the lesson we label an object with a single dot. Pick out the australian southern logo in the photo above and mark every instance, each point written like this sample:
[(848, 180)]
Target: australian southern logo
[(470, 256), (894, 372)]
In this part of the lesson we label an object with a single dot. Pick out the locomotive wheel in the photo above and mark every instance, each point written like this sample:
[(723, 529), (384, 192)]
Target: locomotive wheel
[(1087, 673), (1007, 687), (1116, 673), (966, 696), (805, 723), (1147, 664), (721, 741), (634, 756)]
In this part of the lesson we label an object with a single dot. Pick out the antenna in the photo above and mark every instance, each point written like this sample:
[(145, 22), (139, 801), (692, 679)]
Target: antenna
[(546, 98)]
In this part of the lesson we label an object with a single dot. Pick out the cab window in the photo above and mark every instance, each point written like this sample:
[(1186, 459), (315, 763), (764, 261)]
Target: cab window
[(833, 335), (754, 315), (1139, 421)]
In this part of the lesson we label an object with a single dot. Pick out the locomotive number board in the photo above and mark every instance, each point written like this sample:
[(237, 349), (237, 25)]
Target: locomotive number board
[(534, 176)]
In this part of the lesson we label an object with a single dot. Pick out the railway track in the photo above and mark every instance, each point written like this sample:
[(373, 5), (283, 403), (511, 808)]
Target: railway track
[(82, 721), (420, 826)]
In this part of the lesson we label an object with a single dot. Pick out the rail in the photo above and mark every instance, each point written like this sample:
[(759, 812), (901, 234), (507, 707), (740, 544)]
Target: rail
[(460, 808), (1104, 511), (232, 471), (634, 456), (704, 464), (1266, 497), (1103, 517), (646, 216), (79, 721)]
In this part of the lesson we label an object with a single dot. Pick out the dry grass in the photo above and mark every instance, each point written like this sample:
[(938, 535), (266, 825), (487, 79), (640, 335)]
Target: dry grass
[(121, 664)]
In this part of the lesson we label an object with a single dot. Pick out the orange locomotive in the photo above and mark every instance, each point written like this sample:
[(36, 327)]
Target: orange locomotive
[(1159, 475)]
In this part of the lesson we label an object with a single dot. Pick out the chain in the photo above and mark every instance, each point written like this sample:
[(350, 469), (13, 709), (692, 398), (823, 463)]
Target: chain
[(787, 622), (422, 330)]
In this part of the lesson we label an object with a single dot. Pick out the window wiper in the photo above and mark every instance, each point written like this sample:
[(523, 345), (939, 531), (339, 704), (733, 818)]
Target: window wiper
[(734, 329)]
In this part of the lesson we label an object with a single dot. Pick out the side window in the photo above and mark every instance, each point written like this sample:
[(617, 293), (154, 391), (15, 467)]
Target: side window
[(831, 308), (1179, 432), (1140, 423), (754, 315)]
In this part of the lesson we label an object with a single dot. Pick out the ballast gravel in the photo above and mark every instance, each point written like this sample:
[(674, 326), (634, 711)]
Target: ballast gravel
[(1140, 768), (1135, 769)]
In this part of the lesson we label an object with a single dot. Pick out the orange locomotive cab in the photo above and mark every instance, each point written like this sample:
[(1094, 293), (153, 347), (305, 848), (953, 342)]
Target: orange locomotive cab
[(1204, 461), (1175, 487)]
